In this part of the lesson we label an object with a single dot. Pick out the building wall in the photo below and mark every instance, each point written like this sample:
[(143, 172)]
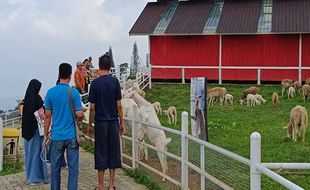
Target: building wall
[(306, 55), (184, 51), (237, 50)]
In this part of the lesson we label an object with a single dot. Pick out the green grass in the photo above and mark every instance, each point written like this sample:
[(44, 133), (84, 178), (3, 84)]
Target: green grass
[(11, 168), (141, 178), (230, 127)]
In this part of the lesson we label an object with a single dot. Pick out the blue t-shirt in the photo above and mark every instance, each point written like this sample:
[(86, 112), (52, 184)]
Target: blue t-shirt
[(57, 100), (104, 92)]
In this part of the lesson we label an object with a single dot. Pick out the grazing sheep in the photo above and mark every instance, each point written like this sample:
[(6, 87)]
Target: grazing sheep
[(307, 81), (291, 92), (230, 98), (157, 108), (297, 85), (250, 90), (251, 100), (216, 92), (171, 112), (285, 84), (305, 92), (260, 99), (275, 100), (298, 123)]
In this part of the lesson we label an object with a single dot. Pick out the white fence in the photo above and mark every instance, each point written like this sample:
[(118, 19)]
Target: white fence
[(187, 162), (11, 118), (221, 68)]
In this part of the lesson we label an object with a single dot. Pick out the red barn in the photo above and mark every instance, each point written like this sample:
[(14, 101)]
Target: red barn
[(249, 40)]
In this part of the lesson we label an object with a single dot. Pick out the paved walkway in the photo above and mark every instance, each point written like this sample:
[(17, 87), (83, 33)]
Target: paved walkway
[(87, 179)]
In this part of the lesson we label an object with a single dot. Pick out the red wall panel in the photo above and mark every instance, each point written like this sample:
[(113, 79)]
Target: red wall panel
[(237, 50), (167, 73), (278, 75), (233, 74), (184, 50), (211, 74), (260, 50), (305, 55)]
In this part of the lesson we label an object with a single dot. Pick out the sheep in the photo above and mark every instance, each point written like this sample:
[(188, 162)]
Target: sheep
[(250, 90), (259, 98), (216, 92), (285, 84), (251, 100), (305, 92), (275, 100), (298, 123), (297, 86), (307, 81), (230, 98), (157, 108), (291, 92), (171, 112)]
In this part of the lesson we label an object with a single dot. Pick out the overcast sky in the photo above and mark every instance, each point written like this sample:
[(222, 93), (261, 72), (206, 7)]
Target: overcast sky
[(37, 35)]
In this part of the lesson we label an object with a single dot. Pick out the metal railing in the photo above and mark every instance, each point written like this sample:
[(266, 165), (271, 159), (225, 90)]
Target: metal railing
[(11, 118), (221, 68), (256, 167)]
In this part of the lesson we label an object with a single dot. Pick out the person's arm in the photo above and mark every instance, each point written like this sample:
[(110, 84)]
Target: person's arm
[(78, 108), (77, 82), (91, 117), (121, 117), (47, 122)]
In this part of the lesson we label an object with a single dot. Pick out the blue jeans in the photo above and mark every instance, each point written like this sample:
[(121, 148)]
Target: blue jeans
[(57, 149)]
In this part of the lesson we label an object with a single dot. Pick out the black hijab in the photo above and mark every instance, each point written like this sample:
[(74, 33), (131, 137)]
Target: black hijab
[(32, 102)]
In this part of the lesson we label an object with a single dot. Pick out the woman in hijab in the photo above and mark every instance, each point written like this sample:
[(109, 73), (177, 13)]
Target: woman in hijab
[(36, 169)]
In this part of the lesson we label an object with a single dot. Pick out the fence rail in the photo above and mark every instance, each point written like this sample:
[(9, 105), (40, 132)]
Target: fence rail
[(186, 163), (220, 68)]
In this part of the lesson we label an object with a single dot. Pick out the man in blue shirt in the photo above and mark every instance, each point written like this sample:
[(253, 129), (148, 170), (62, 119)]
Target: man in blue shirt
[(63, 135), (105, 105)]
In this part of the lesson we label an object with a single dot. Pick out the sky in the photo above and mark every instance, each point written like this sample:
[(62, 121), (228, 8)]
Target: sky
[(37, 35)]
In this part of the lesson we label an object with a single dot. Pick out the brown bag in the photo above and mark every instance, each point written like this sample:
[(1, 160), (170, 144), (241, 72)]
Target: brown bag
[(79, 135)]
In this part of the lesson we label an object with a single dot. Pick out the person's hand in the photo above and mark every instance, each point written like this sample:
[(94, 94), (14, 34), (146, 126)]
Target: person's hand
[(46, 141), (122, 129)]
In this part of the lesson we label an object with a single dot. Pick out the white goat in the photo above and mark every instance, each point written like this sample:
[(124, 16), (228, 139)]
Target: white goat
[(230, 98), (156, 136)]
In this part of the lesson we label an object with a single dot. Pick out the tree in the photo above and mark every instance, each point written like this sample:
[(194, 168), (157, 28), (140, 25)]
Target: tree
[(135, 60), (123, 67), (111, 56)]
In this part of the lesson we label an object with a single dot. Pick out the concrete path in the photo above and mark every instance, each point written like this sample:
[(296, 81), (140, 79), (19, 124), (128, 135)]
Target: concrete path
[(87, 178)]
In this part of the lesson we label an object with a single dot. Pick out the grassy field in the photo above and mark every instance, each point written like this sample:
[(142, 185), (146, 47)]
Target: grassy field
[(11, 168), (230, 127)]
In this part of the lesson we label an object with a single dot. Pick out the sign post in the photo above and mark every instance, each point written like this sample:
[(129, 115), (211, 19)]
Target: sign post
[(198, 108)]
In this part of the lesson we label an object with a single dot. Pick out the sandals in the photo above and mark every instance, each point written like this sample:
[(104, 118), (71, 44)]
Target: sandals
[(96, 188)]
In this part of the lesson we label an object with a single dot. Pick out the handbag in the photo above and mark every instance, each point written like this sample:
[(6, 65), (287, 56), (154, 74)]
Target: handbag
[(79, 135), (40, 123)]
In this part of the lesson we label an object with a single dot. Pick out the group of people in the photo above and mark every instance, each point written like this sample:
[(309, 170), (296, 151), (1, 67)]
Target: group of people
[(59, 127), (83, 75)]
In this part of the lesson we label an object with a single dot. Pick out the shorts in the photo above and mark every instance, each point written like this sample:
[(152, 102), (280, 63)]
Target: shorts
[(107, 145)]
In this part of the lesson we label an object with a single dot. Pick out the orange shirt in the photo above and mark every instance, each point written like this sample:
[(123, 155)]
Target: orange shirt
[(79, 79)]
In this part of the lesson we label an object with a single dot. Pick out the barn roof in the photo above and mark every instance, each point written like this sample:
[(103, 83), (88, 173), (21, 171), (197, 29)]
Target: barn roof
[(172, 17)]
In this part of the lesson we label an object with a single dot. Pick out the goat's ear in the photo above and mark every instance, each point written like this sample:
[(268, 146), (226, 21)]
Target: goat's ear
[(285, 127)]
